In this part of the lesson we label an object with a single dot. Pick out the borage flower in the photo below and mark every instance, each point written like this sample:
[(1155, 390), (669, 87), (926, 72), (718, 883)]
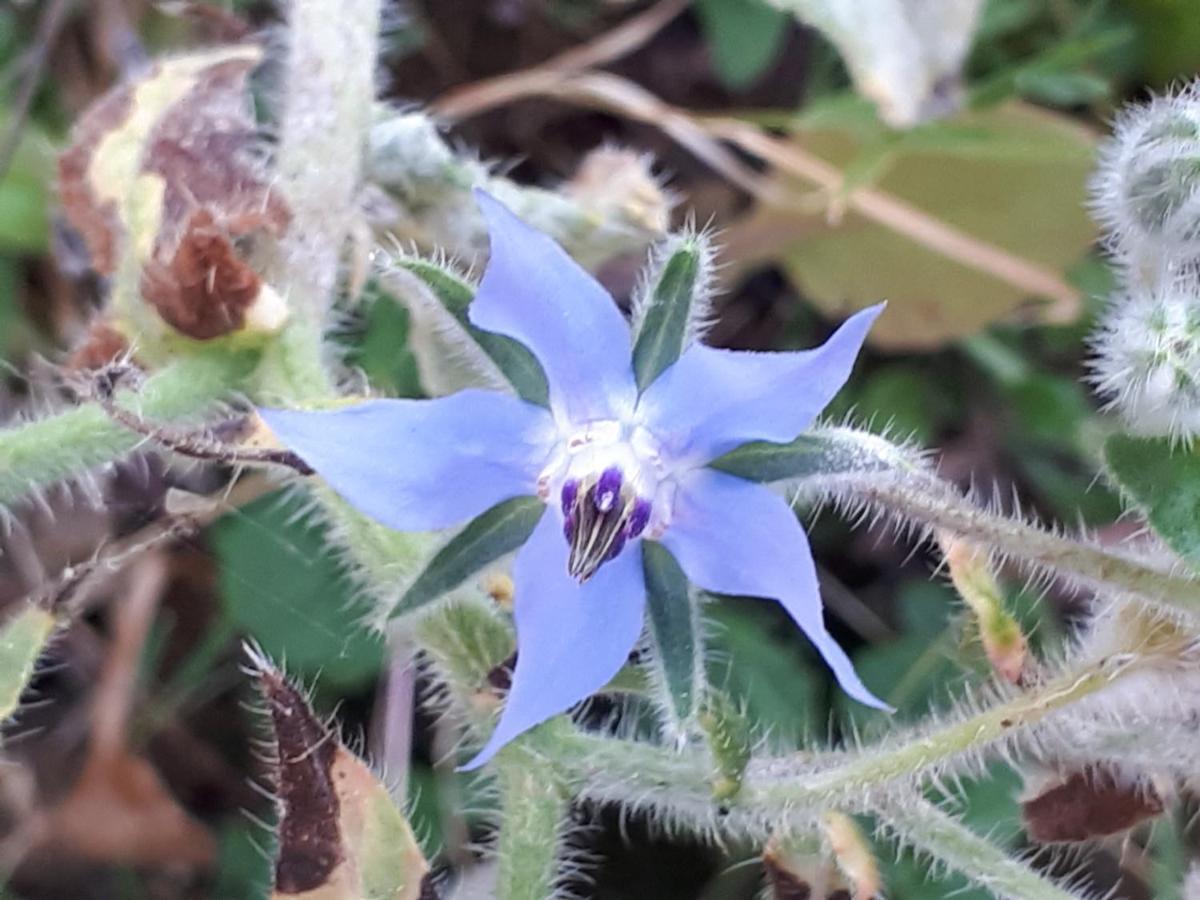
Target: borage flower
[(614, 467)]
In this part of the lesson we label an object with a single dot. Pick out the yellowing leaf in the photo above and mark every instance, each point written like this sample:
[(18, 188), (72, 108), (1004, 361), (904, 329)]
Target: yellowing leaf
[(340, 835)]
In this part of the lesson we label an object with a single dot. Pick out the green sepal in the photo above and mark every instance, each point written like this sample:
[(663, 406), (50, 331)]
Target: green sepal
[(515, 362), (816, 453), (492, 534), (22, 639), (1163, 479), (676, 630), (664, 323)]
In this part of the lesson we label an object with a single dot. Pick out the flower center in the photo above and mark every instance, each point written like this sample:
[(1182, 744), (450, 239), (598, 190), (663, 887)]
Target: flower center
[(600, 513), (606, 477)]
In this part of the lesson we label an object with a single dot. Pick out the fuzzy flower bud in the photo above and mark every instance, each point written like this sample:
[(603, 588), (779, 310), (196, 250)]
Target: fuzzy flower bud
[(971, 573), (853, 853), (1146, 192), (1147, 361)]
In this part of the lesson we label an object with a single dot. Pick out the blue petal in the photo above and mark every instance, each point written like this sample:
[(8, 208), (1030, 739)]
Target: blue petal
[(734, 537), (534, 292), (420, 465), (712, 401), (572, 638)]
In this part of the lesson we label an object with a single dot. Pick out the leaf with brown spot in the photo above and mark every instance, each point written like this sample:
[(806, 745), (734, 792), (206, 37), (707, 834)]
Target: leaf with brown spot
[(166, 180), (340, 835), (1091, 802)]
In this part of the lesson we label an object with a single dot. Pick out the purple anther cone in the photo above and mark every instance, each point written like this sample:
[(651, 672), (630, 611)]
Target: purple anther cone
[(570, 492), (639, 518), (608, 489)]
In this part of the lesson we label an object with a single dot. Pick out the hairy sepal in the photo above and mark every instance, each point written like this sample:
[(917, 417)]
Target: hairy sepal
[(817, 454), (490, 536), (677, 647), (442, 296), (673, 305)]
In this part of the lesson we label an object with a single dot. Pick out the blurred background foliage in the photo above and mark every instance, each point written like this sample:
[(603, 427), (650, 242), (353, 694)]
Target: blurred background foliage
[(964, 363)]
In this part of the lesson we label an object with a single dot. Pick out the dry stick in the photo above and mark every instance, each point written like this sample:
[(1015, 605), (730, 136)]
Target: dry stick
[(702, 136), (63, 593), (113, 698), (466, 101)]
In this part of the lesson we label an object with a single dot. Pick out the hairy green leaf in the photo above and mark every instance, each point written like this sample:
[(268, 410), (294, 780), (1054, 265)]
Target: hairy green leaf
[(21, 641), (1165, 483)]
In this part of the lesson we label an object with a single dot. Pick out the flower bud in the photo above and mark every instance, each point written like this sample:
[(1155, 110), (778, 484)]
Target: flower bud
[(728, 732), (1147, 361), (1147, 188), (972, 575), (853, 853)]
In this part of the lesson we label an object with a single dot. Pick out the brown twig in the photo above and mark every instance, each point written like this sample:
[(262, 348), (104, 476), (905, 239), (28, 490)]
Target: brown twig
[(703, 136), (468, 100), (192, 444)]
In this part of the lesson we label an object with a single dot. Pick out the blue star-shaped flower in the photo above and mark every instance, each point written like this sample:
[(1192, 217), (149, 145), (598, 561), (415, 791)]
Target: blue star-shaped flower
[(614, 467)]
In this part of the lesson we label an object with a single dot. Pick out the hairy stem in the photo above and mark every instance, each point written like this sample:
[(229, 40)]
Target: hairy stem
[(533, 809), (919, 824), (70, 443), (679, 785), (330, 81), (925, 499)]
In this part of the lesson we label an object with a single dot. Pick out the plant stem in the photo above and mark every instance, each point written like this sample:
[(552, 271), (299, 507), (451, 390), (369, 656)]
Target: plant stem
[(534, 809), (925, 499), (919, 824), (48, 450), (329, 76), (679, 786)]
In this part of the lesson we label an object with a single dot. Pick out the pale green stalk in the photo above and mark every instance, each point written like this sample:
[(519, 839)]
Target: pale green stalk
[(922, 498), (921, 825), (534, 809)]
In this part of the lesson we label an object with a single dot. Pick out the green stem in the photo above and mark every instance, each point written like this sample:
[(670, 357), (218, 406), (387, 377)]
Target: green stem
[(925, 499), (48, 450), (920, 824), (534, 810), (679, 785)]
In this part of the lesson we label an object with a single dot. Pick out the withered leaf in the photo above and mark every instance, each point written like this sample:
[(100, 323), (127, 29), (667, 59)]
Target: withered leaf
[(1088, 803), (340, 835), (163, 176), (206, 289)]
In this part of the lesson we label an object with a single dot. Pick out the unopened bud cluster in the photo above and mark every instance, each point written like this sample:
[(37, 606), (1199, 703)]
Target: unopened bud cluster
[(1147, 196)]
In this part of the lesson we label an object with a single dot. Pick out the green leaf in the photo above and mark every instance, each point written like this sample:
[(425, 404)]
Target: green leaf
[(744, 38), (1163, 481), (282, 586), (665, 322), (676, 629), (818, 453), (21, 641), (492, 534), (513, 360)]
